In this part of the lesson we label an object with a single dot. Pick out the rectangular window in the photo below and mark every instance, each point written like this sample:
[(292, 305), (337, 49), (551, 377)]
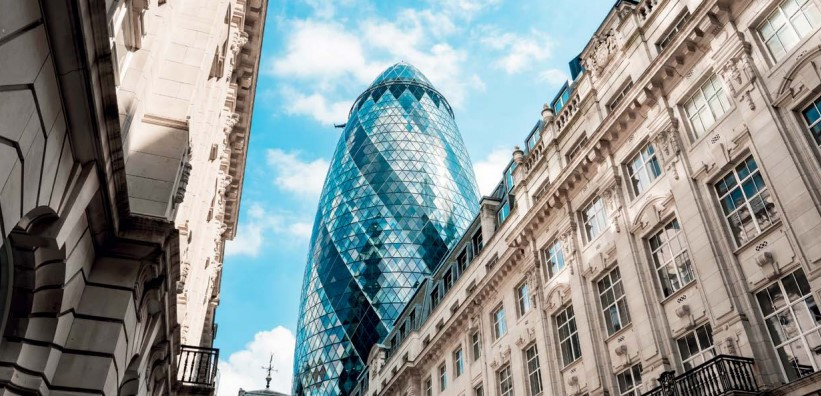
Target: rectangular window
[(509, 182), (554, 258), (462, 261), (522, 299), (534, 373), (533, 139), (561, 100), (619, 97), (448, 278), (443, 377), (629, 381), (478, 243), (812, 115), (595, 219), (478, 390), (505, 380), (794, 323), (665, 41), (499, 325), (613, 303), (746, 201), (434, 295), (428, 387), (476, 343), (707, 105), (504, 211), (643, 169), (458, 363), (791, 21), (576, 149), (568, 336), (696, 347), (671, 258)]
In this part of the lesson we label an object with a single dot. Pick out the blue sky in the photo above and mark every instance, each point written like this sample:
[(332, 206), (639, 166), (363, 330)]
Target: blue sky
[(496, 61)]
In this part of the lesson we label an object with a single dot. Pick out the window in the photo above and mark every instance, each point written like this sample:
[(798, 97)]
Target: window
[(509, 182), (812, 115), (498, 319), (561, 100), (522, 299), (428, 387), (478, 390), (434, 295), (665, 41), (619, 97), (443, 377), (707, 105), (643, 169), (448, 279), (794, 323), (478, 243), (476, 343), (554, 258), (671, 259), (534, 374), (504, 211), (791, 21), (613, 303), (505, 380), (534, 138), (629, 381), (568, 336), (594, 218), (696, 347), (462, 261), (576, 149), (458, 363), (746, 201)]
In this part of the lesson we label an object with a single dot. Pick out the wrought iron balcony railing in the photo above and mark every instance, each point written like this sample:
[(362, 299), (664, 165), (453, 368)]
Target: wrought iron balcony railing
[(197, 367), (717, 376)]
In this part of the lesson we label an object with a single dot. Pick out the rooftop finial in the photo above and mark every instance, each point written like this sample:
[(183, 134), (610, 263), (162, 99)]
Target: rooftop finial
[(269, 369)]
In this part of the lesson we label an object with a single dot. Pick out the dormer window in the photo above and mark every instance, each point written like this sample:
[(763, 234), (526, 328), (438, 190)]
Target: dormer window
[(478, 242), (509, 182), (561, 100)]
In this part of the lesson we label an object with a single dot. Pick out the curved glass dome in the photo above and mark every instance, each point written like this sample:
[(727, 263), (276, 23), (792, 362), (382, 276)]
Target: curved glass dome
[(399, 193)]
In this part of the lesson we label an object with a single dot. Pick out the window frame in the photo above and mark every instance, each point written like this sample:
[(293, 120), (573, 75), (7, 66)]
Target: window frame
[(428, 386), (479, 390), (576, 148), (553, 255), (533, 370), (616, 99), (600, 213), (458, 362), (523, 303), (504, 375), (443, 376), (622, 311), (562, 318), (646, 155), (476, 345), (814, 105), (702, 354), (671, 34), (773, 215), (499, 322), (788, 24), (718, 87), (634, 372), (477, 241), (663, 263)]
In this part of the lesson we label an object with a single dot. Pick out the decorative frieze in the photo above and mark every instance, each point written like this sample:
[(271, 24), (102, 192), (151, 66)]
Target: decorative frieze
[(604, 47)]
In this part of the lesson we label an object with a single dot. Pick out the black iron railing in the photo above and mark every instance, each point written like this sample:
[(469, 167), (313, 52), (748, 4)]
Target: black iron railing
[(717, 376), (197, 366)]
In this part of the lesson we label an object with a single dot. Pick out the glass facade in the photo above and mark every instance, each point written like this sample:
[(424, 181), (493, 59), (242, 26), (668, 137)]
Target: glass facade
[(399, 194)]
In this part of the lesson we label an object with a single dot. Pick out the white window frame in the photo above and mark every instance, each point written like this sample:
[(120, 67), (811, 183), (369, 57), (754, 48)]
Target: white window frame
[(705, 349), (613, 302), (643, 169), (629, 381), (428, 386), (805, 11), (458, 362), (478, 390), (594, 217), (443, 376), (796, 314), (707, 105), (476, 345), (746, 171), (566, 323), (816, 107), (504, 377), (671, 256), (617, 98), (498, 320), (522, 299), (534, 370), (554, 258), (668, 38)]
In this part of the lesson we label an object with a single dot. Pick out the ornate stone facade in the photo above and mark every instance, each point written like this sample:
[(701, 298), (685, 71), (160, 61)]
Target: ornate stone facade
[(121, 162), (664, 243)]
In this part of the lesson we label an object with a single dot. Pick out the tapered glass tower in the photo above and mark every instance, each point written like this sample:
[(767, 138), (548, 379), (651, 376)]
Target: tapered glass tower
[(399, 193)]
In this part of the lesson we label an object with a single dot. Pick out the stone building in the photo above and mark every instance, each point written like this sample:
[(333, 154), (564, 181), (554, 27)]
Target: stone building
[(123, 136), (660, 232)]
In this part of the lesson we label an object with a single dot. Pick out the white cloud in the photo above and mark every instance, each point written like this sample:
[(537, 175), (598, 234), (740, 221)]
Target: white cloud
[(262, 223), (518, 53), (243, 369), (489, 170), (554, 76), (296, 176), (467, 9), (316, 106)]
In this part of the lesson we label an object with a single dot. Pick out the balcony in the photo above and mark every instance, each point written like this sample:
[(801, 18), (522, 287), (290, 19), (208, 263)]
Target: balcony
[(197, 370), (722, 375)]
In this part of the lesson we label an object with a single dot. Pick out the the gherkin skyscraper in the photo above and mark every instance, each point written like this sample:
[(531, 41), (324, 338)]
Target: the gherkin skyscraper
[(399, 193)]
